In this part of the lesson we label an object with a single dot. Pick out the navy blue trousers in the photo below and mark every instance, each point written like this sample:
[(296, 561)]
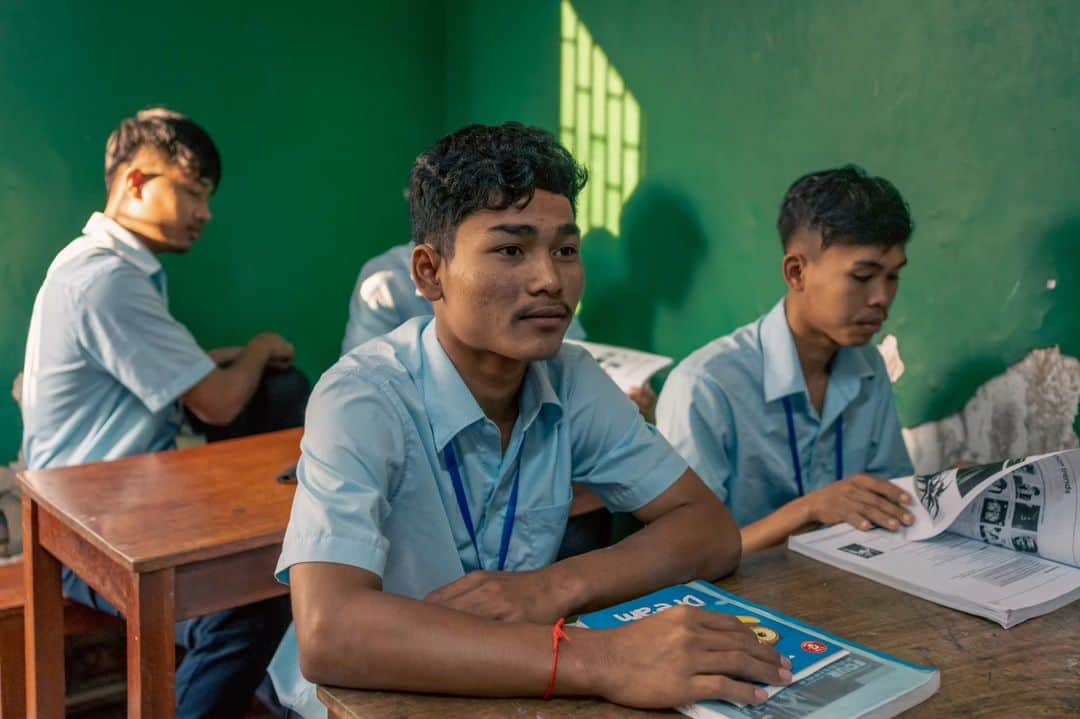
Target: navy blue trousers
[(227, 652)]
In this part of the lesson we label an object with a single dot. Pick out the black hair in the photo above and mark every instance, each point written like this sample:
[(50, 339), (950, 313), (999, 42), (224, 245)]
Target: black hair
[(846, 206), (485, 167), (177, 136)]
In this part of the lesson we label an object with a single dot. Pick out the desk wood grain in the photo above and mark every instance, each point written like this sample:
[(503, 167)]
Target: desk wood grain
[(1031, 670), (138, 510)]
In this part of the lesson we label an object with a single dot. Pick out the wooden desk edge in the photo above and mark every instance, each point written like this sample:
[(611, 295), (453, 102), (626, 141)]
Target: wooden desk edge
[(177, 559), (198, 555), (83, 532), (333, 705)]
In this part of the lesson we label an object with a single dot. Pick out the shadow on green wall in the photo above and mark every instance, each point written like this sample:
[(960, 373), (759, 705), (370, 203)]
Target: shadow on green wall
[(650, 264)]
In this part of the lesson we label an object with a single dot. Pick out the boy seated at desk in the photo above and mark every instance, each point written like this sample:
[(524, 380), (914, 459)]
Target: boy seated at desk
[(434, 482), (109, 371), (385, 297), (791, 419)]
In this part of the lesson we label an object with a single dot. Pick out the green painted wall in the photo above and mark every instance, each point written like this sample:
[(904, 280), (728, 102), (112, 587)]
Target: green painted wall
[(502, 63), (318, 110), (972, 109)]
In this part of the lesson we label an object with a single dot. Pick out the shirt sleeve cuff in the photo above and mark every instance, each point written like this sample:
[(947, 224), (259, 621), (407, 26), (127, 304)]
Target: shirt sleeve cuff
[(367, 554), (162, 398), (653, 482)]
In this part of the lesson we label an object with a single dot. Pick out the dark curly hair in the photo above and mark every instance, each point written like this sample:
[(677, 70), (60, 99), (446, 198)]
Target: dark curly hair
[(174, 134), (485, 167), (848, 207)]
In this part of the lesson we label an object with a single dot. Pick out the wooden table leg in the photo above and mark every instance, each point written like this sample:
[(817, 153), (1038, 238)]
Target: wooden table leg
[(151, 646), (44, 618), (12, 667)]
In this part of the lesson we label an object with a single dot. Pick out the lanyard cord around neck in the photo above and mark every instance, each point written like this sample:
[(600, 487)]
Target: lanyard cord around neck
[(454, 470), (793, 443)]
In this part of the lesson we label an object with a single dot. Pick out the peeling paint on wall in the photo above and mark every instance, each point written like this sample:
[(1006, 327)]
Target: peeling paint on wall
[(1030, 409)]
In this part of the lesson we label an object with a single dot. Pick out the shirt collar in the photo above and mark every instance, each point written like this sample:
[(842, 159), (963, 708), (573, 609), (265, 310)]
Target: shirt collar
[(849, 368), (452, 408), (539, 395), (107, 233), (782, 374)]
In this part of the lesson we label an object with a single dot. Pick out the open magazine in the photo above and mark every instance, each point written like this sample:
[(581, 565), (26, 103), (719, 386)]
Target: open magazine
[(831, 676), (998, 540), (629, 368)]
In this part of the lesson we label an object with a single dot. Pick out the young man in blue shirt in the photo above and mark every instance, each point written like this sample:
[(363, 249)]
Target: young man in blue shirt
[(791, 419), (108, 368), (434, 484)]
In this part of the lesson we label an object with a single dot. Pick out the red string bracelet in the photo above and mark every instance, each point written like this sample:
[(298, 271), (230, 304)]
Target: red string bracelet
[(557, 633)]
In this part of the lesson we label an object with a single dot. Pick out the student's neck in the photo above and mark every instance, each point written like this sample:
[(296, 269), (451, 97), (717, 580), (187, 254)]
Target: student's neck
[(816, 352), (495, 381), (116, 213)]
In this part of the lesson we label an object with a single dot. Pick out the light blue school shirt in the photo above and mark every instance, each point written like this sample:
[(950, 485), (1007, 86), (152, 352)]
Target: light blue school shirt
[(385, 296), (105, 361), (722, 408), (374, 491)]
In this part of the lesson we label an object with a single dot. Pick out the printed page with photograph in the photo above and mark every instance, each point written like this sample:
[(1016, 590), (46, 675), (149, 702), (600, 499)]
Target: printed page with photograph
[(972, 576), (1030, 505), (974, 543)]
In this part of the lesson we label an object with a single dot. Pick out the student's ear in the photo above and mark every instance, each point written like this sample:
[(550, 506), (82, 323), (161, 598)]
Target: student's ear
[(426, 262), (794, 268), (134, 179)]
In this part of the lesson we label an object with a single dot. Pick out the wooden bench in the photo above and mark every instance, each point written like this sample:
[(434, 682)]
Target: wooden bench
[(78, 619)]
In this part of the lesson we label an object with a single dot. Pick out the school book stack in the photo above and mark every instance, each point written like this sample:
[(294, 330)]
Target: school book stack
[(1000, 540), (831, 677)]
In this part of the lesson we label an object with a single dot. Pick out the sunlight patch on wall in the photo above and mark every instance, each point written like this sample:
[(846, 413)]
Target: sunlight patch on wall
[(600, 123)]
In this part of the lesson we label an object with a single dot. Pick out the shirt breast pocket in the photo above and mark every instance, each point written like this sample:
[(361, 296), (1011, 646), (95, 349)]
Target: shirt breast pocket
[(539, 532)]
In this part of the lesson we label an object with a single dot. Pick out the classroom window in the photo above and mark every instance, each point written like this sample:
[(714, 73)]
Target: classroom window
[(600, 123)]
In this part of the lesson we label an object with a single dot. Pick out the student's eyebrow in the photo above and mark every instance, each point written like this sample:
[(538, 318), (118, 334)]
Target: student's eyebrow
[(566, 230), (875, 265), (198, 186), (510, 229)]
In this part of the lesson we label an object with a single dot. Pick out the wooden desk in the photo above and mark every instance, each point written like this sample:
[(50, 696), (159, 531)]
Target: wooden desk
[(1031, 670), (163, 537)]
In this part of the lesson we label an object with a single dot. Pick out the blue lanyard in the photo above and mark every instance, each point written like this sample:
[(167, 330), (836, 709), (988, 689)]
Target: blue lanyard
[(463, 504), (795, 446)]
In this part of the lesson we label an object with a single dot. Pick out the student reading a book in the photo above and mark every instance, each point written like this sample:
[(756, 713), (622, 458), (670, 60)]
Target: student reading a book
[(791, 419), (434, 481), (108, 369)]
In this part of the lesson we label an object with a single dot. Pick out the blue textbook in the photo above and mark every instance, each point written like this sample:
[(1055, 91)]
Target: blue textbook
[(831, 677)]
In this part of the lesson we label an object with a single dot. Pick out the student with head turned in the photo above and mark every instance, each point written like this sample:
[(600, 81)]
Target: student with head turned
[(791, 419), (109, 370), (435, 477)]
